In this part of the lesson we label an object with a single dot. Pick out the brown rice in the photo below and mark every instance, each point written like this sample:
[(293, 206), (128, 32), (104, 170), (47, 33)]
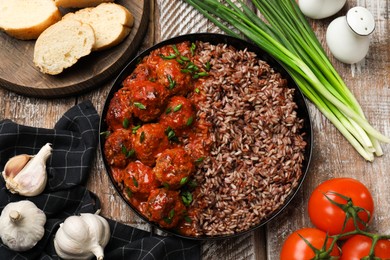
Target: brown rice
[(258, 148)]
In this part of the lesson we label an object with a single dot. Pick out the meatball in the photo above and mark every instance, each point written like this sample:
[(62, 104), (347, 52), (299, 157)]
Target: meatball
[(179, 114), (169, 74), (141, 73), (148, 99), (174, 167), (139, 179), (118, 148), (156, 56), (165, 207), (149, 141), (119, 113)]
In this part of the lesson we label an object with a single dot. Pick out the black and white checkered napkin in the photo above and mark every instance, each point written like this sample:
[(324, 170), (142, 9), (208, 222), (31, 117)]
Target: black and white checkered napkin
[(74, 142)]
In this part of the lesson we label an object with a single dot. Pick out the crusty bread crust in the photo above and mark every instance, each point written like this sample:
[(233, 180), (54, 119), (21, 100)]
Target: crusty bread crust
[(62, 45), (26, 20), (79, 3), (111, 23)]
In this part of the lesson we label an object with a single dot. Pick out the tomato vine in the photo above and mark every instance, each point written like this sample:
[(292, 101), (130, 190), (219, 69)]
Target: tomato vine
[(331, 201)]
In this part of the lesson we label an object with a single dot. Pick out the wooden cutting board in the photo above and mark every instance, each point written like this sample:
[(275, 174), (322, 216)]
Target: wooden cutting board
[(19, 74)]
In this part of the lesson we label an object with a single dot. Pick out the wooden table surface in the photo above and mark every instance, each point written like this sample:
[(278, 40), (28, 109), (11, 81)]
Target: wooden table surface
[(332, 155)]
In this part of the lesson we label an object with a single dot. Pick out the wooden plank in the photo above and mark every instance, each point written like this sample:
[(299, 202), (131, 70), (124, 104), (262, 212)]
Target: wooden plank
[(28, 111), (333, 156)]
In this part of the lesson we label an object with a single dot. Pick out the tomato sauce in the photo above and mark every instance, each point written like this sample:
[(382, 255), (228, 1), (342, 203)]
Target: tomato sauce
[(157, 139)]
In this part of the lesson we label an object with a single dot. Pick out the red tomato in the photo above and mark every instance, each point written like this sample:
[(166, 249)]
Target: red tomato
[(357, 247), (295, 248), (329, 217)]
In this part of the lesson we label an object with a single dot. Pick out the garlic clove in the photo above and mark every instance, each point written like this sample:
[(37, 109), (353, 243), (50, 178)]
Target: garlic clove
[(76, 243), (98, 230), (15, 165), (27, 178)]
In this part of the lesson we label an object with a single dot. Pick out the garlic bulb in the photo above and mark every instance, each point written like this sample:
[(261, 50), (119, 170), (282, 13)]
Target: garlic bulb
[(21, 225), (25, 174), (82, 237)]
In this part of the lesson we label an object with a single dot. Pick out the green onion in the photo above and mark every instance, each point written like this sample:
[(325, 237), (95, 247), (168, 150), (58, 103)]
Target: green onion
[(286, 35), (177, 108), (170, 216), (168, 57), (172, 82), (180, 61), (105, 133), (135, 128), (189, 121), (199, 160), (126, 152), (126, 123), (192, 184), (186, 197), (184, 58), (171, 134), (197, 91), (187, 219), (207, 66), (174, 47), (130, 153), (135, 182), (201, 74), (129, 192), (193, 48), (183, 181), (142, 137), (139, 105)]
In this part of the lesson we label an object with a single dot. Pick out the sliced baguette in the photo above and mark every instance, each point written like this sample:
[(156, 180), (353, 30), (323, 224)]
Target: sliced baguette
[(111, 23), (79, 3), (27, 19), (62, 45)]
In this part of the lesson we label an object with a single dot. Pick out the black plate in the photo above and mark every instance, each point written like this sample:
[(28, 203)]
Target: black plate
[(302, 112)]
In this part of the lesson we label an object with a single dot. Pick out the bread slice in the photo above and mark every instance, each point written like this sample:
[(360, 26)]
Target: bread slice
[(79, 3), (27, 19), (62, 45), (111, 23)]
